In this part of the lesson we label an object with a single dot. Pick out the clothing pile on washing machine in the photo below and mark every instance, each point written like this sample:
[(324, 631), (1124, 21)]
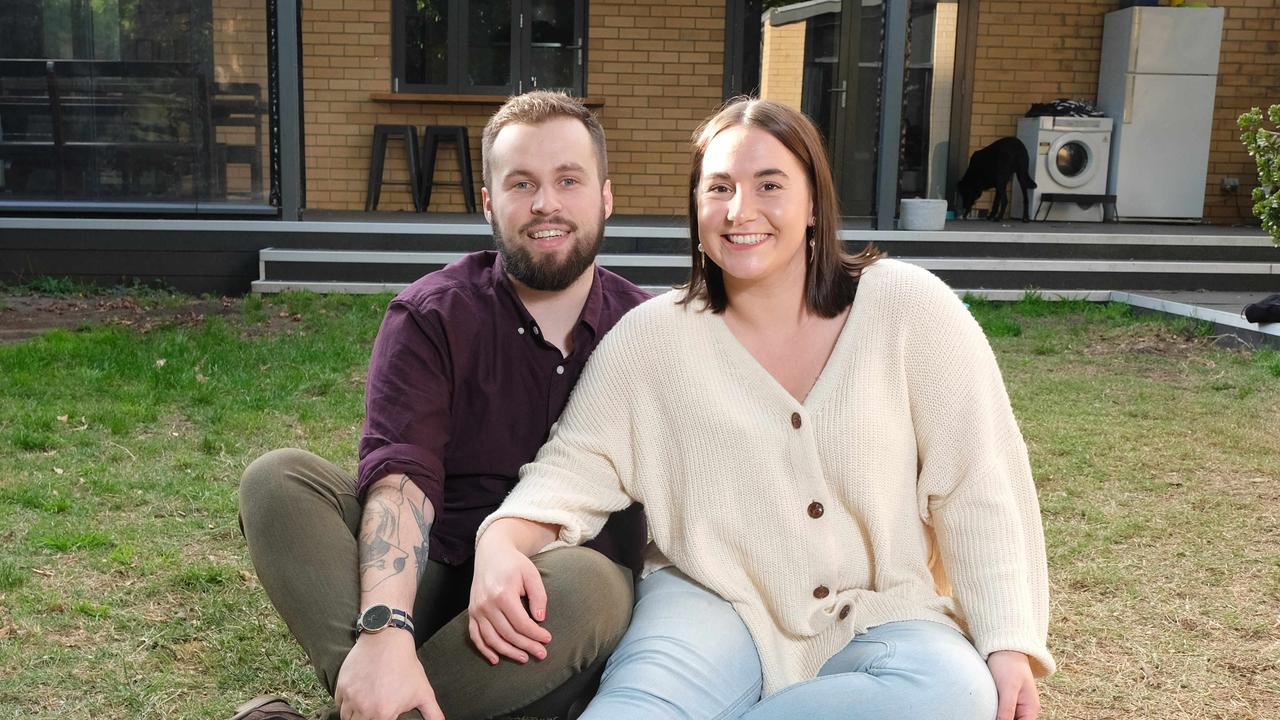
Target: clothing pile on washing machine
[(1064, 107)]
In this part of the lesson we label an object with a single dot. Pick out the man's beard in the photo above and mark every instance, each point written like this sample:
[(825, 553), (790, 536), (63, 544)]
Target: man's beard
[(549, 274)]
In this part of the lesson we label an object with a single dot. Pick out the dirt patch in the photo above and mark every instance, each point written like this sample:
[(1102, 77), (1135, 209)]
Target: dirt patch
[(25, 316), (1146, 339)]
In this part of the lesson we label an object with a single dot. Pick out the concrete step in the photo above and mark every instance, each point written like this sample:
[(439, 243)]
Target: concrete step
[(345, 267)]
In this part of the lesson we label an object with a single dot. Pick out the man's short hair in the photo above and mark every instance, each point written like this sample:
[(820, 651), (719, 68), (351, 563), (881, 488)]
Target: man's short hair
[(535, 108)]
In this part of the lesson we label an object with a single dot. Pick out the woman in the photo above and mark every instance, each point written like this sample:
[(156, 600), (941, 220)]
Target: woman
[(845, 474)]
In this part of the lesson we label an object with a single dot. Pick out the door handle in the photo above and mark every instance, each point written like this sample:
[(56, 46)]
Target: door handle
[(842, 90)]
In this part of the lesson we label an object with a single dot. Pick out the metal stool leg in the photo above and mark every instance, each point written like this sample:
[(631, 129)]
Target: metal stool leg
[(429, 141), (464, 169), (375, 171), (415, 172)]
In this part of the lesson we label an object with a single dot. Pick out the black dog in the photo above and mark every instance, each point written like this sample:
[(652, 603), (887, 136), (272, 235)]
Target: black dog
[(993, 167)]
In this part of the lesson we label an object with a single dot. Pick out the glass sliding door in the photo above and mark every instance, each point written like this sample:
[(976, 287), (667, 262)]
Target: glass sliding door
[(824, 57), (132, 103)]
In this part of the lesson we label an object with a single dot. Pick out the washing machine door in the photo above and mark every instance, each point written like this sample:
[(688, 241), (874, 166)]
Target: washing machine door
[(1072, 160)]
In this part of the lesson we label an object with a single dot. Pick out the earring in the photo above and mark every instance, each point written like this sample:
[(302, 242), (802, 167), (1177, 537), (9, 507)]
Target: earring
[(812, 243), (703, 255)]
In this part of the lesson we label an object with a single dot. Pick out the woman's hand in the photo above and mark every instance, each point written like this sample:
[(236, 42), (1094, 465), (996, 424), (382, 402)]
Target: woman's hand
[(1018, 697), (499, 623)]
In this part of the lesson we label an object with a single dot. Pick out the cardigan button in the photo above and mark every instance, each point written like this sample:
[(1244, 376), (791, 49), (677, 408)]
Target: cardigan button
[(795, 420), (821, 592), (844, 612), (816, 510)]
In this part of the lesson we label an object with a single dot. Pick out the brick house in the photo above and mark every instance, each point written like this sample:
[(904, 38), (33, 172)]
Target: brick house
[(653, 70), (235, 145)]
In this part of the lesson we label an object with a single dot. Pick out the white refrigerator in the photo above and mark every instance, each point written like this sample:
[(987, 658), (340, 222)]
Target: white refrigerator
[(1157, 79)]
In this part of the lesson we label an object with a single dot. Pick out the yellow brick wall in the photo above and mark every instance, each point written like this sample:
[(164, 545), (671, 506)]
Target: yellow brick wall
[(782, 63), (657, 67), (1031, 51)]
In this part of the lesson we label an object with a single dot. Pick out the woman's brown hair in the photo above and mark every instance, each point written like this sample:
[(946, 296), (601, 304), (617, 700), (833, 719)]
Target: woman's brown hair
[(831, 279)]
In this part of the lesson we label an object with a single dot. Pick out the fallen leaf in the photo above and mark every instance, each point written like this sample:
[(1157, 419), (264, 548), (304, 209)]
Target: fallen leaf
[(175, 434), (62, 418), (201, 378), (8, 630), (59, 470), (160, 362), (42, 572)]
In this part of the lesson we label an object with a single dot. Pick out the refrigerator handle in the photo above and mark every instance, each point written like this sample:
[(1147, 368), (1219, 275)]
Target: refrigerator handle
[(1128, 98), (1135, 37)]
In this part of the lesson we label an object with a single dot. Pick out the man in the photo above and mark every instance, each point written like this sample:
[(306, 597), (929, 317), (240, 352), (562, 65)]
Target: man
[(470, 368)]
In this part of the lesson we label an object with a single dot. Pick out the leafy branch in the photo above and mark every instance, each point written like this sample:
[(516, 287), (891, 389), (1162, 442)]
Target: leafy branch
[(1264, 146)]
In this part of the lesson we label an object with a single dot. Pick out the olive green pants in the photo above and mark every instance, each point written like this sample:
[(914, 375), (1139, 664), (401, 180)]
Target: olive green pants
[(300, 516)]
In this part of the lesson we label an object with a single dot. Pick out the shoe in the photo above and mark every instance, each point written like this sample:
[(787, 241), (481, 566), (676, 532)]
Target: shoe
[(267, 707)]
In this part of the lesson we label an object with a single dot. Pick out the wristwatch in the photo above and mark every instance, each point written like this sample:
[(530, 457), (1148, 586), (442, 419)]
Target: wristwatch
[(379, 617)]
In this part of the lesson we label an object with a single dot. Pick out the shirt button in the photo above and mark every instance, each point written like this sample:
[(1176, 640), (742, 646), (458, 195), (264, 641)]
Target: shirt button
[(816, 510), (536, 331), (821, 592), (520, 330), (844, 612), (559, 369), (795, 420)]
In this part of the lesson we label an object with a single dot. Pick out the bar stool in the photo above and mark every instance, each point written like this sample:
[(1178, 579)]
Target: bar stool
[(432, 137), (381, 133)]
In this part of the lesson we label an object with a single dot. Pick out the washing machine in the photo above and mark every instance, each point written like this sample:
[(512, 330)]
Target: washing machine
[(1068, 155)]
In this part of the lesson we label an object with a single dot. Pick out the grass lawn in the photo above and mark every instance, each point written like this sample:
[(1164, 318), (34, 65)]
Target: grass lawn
[(126, 592)]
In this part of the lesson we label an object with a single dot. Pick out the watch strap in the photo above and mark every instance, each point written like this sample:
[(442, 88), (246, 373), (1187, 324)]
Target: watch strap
[(401, 619)]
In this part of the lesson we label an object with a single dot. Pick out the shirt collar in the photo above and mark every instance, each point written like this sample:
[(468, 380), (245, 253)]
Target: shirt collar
[(591, 309)]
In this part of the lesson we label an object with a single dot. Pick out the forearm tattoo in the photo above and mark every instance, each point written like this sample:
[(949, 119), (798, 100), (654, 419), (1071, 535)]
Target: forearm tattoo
[(383, 553)]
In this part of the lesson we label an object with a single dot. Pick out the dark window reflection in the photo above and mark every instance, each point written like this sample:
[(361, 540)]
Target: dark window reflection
[(553, 47), (427, 38), (489, 42), (489, 46), (116, 100)]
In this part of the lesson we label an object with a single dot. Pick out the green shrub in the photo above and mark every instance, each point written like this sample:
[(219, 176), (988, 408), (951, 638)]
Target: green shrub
[(1264, 146)]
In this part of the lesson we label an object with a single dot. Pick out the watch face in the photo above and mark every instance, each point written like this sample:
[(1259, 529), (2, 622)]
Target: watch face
[(376, 617)]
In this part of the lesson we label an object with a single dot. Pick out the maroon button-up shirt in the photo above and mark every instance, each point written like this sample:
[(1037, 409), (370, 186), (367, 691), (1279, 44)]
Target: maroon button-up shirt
[(463, 390)]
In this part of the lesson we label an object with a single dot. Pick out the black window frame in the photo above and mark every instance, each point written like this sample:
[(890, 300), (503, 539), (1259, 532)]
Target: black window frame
[(456, 56)]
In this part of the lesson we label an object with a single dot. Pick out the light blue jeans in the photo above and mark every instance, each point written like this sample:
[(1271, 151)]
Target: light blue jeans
[(912, 669), (688, 655)]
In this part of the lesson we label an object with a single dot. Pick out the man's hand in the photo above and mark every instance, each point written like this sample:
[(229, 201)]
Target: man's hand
[(498, 621), (1018, 697), (382, 678)]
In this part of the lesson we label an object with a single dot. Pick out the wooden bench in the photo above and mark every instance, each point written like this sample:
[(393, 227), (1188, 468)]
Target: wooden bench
[(1051, 198)]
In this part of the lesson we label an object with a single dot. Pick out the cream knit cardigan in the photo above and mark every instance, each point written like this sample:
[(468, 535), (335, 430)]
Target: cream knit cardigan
[(906, 440)]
